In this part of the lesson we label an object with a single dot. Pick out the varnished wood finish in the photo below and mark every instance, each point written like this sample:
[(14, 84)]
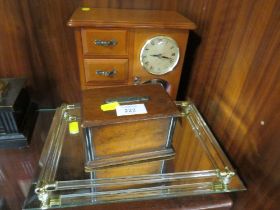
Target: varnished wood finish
[(121, 136), (90, 36), (13, 41), (235, 83), (81, 59), (120, 66), (35, 42), (126, 18), (131, 29), (100, 57), (154, 167), (158, 106), (16, 56), (189, 149), (124, 138), (233, 80), (53, 40), (131, 4)]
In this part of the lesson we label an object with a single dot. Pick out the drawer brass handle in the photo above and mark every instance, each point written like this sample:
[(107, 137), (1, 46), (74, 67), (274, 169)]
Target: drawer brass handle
[(106, 73), (104, 43)]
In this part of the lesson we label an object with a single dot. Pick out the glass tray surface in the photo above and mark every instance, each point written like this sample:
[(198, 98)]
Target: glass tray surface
[(198, 167)]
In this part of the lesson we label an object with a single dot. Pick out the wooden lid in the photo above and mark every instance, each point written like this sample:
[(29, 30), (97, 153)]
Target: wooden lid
[(159, 105), (129, 18)]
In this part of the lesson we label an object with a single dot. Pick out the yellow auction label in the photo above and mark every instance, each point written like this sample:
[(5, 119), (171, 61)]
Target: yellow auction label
[(109, 106), (85, 9), (74, 127)]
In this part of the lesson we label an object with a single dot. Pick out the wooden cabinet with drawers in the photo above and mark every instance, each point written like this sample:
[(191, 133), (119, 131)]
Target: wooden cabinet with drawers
[(121, 47)]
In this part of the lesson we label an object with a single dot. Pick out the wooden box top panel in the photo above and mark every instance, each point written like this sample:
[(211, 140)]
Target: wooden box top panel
[(159, 105), (129, 18)]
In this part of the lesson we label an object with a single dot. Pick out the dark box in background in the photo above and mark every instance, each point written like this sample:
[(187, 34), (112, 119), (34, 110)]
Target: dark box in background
[(17, 113)]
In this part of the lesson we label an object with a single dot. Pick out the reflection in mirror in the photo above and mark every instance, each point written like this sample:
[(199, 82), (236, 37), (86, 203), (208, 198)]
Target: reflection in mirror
[(199, 166)]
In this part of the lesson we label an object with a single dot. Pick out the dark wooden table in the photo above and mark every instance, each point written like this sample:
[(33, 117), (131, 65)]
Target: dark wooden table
[(18, 168)]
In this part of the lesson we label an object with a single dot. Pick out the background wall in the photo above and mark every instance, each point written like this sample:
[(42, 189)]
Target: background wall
[(235, 81), (234, 77)]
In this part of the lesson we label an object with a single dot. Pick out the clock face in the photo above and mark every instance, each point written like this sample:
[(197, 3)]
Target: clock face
[(159, 55)]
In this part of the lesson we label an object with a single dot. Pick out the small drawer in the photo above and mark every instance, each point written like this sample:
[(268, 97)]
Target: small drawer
[(106, 71), (104, 42)]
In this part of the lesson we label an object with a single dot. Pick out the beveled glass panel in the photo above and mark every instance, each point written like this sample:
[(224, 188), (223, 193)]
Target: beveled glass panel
[(198, 167)]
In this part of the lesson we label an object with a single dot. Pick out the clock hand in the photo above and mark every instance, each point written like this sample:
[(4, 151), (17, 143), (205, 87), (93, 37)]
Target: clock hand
[(160, 56), (156, 55), (166, 57)]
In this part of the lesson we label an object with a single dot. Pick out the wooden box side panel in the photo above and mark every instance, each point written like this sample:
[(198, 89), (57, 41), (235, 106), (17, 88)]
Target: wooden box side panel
[(146, 135)]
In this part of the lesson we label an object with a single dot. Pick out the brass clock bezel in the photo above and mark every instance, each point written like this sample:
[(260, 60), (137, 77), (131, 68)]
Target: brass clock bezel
[(171, 68)]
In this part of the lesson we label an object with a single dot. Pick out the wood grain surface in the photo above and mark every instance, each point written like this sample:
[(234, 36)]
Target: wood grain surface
[(16, 55), (234, 80), (119, 66), (130, 29), (90, 36), (128, 18), (35, 42), (159, 105), (131, 4), (15, 58)]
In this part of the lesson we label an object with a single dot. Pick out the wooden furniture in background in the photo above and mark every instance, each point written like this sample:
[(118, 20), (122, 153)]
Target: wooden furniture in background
[(17, 113), (109, 42)]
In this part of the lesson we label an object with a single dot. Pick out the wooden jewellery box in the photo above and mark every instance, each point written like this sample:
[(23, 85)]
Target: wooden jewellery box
[(114, 140)]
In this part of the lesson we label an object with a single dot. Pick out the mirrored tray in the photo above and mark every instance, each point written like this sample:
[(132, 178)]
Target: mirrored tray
[(198, 167)]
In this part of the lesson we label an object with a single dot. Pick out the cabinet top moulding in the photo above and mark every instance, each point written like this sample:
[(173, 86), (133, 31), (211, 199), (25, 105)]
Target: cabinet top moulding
[(129, 18)]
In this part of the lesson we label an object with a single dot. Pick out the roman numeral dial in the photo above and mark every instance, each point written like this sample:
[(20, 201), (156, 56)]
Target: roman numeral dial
[(159, 55)]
